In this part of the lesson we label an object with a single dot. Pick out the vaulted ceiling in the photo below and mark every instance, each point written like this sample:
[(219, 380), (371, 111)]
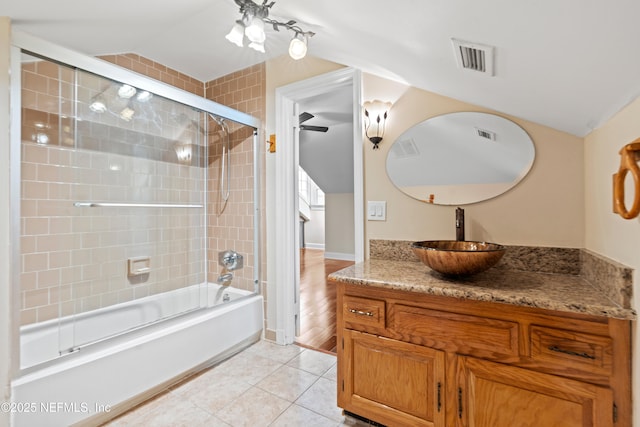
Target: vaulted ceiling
[(566, 64)]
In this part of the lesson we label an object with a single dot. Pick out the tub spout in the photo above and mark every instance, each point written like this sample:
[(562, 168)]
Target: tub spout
[(225, 279), (459, 224)]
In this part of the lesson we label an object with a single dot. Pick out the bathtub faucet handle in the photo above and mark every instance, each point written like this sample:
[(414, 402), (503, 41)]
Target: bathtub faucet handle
[(231, 260)]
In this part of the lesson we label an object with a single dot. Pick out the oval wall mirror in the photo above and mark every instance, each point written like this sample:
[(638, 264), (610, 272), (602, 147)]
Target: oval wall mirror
[(460, 158)]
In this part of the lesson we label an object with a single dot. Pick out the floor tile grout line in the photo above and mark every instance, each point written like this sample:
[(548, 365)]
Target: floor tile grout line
[(306, 389)]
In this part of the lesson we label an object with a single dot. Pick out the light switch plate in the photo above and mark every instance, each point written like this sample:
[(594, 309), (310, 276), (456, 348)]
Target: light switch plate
[(376, 211)]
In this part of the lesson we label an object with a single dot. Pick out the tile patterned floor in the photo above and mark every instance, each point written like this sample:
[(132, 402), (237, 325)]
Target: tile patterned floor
[(265, 385)]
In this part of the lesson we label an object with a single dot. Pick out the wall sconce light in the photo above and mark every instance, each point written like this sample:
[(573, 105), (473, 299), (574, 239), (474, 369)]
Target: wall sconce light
[(375, 119)]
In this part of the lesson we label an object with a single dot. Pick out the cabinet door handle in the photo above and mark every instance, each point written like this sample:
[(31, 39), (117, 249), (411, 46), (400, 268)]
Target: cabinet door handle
[(460, 402), (571, 353), (360, 312), (439, 396)]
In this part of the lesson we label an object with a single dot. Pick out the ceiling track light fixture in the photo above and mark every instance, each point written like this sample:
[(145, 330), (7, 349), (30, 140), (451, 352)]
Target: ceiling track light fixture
[(252, 23)]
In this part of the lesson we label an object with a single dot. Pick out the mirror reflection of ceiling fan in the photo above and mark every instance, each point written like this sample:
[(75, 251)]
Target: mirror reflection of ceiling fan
[(307, 116)]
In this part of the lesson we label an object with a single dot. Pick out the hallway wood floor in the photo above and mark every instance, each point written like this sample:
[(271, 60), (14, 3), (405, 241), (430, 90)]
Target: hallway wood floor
[(318, 300)]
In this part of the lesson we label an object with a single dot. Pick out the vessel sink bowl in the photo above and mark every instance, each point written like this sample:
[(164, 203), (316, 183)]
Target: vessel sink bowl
[(458, 258)]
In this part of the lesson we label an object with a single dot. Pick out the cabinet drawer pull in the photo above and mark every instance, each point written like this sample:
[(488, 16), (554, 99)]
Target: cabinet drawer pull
[(571, 353), (360, 312)]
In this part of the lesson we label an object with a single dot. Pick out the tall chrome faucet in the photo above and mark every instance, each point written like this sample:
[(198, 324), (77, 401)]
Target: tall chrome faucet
[(459, 224)]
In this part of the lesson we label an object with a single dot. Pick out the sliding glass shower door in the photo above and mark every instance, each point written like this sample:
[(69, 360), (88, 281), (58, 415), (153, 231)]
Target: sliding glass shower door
[(114, 188)]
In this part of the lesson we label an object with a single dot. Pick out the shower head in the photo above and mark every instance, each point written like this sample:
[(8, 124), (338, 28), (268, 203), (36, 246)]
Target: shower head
[(218, 120)]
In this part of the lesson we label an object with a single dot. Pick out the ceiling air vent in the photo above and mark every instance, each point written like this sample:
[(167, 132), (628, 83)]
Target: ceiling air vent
[(474, 56), (486, 134)]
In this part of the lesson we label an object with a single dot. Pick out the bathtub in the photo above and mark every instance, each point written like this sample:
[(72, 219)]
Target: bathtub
[(93, 383)]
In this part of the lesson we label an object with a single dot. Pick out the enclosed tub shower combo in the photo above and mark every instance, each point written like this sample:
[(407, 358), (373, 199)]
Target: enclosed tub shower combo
[(135, 205)]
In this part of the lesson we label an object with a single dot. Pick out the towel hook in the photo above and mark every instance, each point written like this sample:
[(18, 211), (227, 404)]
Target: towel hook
[(628, 164)]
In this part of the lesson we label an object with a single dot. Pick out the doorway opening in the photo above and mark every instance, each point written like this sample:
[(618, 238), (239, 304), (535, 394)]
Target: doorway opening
[(333, 163)]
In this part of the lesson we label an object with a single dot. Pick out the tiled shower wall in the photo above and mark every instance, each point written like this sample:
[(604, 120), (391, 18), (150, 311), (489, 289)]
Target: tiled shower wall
[(231, 224), (157, 71), (74, 264)]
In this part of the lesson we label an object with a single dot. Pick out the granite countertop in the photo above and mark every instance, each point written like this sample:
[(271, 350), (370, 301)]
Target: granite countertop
[(560, 292)]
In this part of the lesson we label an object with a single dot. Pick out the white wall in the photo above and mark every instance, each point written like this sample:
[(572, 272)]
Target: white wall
[(605, 232), (314, 230), (339, 231), (5, 244)]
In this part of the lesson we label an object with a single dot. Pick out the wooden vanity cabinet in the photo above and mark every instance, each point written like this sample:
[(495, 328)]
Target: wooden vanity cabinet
[(412, 359)]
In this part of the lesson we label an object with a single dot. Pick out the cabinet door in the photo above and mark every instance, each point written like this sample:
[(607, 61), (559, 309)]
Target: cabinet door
[(391, 382), (495, 395)]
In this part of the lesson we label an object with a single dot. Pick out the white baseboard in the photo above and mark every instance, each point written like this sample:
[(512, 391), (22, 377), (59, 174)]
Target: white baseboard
[(340, 256), (314, 245)]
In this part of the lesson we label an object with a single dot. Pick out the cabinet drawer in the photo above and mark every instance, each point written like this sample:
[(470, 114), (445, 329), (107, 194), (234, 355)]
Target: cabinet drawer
[(568, 350), (363, 311), (462, 333)]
